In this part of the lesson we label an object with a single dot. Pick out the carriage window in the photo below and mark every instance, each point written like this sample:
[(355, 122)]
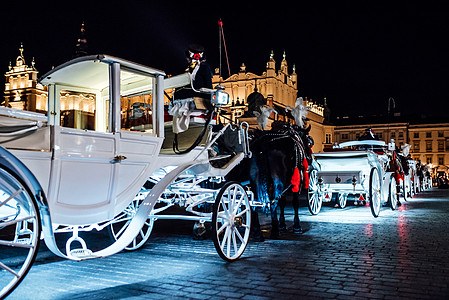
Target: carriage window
[(416, 135), (78, 109), (136, 92)]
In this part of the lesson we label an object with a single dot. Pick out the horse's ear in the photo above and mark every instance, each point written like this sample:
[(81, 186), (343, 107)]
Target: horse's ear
[(308, 128)]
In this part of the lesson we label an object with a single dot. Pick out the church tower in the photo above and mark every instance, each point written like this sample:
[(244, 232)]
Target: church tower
[(22, 91), (81, 43)]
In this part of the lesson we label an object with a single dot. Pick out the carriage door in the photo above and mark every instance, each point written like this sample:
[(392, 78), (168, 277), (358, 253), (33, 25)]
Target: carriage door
[(137, 138)]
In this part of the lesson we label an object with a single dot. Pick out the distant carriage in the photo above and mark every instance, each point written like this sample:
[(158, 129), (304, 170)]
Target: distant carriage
[(358, 169)]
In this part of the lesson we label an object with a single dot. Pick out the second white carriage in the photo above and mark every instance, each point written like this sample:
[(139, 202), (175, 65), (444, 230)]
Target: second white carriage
[(359, 169)]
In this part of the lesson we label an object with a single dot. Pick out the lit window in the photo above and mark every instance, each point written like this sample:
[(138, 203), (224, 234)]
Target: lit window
[(416, 146)]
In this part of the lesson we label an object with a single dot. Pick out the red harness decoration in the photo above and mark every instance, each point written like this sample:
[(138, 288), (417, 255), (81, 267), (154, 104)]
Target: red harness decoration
[(296, 180), (305, 165)]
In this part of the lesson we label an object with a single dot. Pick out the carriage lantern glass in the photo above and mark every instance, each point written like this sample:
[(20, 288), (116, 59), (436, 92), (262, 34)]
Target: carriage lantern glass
[(220, 98)]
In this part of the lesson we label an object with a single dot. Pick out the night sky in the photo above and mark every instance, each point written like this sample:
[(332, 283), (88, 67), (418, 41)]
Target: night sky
[(358, 54)]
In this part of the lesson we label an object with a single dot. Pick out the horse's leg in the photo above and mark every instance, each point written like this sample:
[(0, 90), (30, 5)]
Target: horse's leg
[(282, 204), (274, 221), (255, 227), (258, 185), (296, 225), (277, 192)]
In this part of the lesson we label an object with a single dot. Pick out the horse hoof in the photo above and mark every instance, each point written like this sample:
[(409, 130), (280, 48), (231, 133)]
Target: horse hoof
[(274, 235), (298, 230), (282, 229), (199, 231), (258, 237)]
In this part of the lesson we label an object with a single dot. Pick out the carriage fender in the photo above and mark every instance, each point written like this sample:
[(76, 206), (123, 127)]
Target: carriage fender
[(12, 163)]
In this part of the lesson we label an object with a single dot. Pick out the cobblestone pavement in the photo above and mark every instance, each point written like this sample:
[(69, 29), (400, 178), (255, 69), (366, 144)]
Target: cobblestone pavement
[(343, 254)]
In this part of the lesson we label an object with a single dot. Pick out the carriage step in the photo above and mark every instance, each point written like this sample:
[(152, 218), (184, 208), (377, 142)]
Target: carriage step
[(82, 253), (24, 241)]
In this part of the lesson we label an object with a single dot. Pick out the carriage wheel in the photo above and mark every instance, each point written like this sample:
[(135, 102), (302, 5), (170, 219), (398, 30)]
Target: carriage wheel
[(374, 192), (20, 229), (231, 221), (404, 188), (393, 196), (121, 222), (314, 197)]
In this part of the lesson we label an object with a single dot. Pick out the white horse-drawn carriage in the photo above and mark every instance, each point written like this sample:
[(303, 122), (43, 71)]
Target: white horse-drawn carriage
[(58, 180), (359, 169)]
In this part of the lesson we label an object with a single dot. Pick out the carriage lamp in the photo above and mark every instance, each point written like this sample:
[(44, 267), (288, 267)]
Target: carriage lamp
[(219, 98), (337, 179), (354, 182), (320, 181)]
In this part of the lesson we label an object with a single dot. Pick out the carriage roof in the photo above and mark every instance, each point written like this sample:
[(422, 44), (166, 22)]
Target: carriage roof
[(92, 71), (362, 143)]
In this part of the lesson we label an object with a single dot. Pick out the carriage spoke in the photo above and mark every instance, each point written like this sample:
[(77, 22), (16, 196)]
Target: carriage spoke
[(225, 238), (226, 224), (4, 224), (122, 217), (225, 209), (119, 233), (12, 196), (239, 203), (228, 248), (5, 267), (242, 212), (12, 244), (234, 241), (223, 216), (239, 236)]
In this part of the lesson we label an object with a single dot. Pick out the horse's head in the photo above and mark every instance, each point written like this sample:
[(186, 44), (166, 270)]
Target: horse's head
[(307, 140)]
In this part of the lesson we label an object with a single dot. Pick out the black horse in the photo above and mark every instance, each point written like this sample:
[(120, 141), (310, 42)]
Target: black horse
[(279, 162)]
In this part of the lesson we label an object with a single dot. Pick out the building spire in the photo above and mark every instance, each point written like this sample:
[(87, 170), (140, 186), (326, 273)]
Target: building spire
[(21, 49), (81, 44)]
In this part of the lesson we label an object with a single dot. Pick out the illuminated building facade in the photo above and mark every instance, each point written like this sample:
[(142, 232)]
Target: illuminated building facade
[(280, 89), (21, 88), (22, 91)]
